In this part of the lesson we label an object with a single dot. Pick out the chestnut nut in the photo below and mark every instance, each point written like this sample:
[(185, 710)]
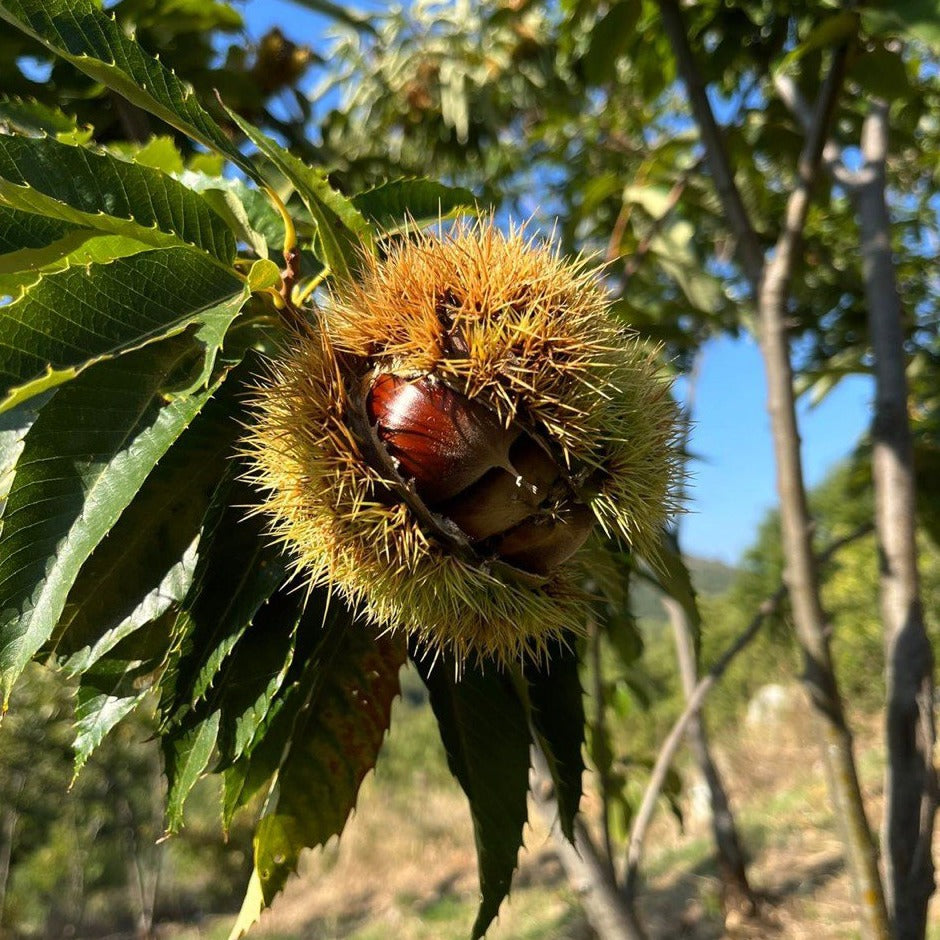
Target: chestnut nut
[(499, 485)]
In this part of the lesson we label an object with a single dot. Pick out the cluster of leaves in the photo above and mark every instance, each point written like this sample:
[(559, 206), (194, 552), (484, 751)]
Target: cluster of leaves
[(144, 292), (574, 112), (85, 855)]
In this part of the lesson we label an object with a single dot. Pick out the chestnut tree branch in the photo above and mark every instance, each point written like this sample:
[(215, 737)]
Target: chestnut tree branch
[(748, 242), (771, 287), (792, 97), (802, 576), (609, 913)]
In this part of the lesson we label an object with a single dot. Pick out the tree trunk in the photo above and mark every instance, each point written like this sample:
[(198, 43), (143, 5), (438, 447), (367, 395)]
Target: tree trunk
[(812, 629), (910, 778), (736, 894), (771, 285), (610, 915)]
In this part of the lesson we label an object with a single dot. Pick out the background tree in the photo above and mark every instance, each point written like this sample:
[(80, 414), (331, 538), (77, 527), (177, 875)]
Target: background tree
[(578, 110)]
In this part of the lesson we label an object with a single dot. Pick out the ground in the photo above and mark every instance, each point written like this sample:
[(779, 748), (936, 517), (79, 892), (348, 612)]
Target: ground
[(405, 867)]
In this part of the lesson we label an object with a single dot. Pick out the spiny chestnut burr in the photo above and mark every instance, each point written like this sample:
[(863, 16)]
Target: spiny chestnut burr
[(439, 442)]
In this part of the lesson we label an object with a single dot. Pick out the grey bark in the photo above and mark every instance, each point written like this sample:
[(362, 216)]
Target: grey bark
[(736, 894), (802, 575), (608, 912), (772, 283), (910, 778)]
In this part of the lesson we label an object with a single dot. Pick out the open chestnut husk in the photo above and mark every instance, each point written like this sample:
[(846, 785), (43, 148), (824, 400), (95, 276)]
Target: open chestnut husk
[(438, 442)]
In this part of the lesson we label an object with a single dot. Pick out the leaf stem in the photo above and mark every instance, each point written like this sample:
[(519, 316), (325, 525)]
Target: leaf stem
[(291, 269)]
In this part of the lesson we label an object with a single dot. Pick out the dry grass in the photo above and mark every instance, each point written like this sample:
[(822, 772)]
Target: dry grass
[(406, 868)]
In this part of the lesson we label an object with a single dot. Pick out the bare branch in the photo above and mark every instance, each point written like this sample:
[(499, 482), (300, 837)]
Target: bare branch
[(694, 703), (780, 268), (792, 97), (811, 626), (610, 914), (748, 242)]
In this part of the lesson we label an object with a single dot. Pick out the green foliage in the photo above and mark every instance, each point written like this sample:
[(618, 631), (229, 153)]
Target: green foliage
[(552, 691), (85, 856), (140, 289), (86, 37)]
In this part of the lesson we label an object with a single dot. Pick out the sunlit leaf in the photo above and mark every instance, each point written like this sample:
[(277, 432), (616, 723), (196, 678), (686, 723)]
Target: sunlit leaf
[(83, 34), (85, 457), (98, 191), (77, 317)]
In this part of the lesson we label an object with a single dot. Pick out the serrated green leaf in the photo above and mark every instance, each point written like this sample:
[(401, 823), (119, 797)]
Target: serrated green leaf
[(186, 757), (331, 752), (74, 318), (249, 212), (484, 728), (96, 713), (239, 570), (259, 763), (396, 205), (83, 34), (263, 752), (14, 426), (341, 230), (76, 250), (113, 687), (251, 908), (99, 191), (319, 745), (556, 713), (28, 116), (23, 230), (147, 561), (255, 672), (85, 456)]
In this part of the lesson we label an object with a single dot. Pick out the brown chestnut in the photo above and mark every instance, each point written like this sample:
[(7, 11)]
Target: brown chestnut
[(441, 439), (493, 482), (500, 499), (543, 542)]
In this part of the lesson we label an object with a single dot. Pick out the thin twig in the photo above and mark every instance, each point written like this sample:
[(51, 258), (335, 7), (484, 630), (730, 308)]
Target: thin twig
[(609, 913), (748, 241), (792, 97)]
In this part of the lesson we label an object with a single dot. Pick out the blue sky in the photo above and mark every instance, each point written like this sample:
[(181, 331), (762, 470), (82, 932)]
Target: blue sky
[(732, 484)]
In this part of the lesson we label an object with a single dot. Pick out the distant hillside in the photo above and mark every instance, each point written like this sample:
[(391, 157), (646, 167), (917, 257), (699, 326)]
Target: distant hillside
[(709, 576)]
